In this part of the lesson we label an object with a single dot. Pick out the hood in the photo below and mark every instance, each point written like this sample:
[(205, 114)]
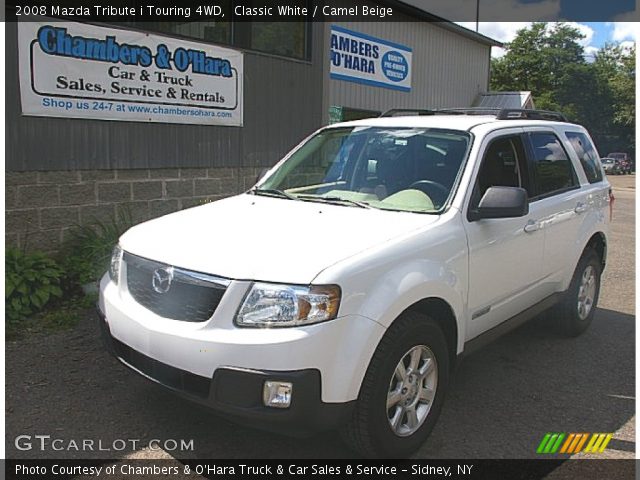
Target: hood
[(250, 237)]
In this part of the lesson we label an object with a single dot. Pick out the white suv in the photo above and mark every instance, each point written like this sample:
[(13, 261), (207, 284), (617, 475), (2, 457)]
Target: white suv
[(342, 289)]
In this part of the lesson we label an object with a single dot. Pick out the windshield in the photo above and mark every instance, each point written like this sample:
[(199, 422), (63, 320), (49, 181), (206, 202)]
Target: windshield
[(407, 169)]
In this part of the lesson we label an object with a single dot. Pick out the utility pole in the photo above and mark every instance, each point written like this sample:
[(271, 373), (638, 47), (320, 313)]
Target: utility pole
[(477, 15)]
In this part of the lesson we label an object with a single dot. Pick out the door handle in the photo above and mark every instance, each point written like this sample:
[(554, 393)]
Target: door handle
[(532, 226), (581, 208)]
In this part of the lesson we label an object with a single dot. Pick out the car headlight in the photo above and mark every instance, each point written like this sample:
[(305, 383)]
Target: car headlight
[(272, 305), (114, 266)]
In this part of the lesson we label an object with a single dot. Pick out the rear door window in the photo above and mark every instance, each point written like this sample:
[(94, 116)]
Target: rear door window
[(552, 169), (587, 154)]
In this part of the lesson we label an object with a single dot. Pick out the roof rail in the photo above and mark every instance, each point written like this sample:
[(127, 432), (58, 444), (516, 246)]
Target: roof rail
[(506, 113), (523, 113), (469, 111), (500, 113), (417, 111)]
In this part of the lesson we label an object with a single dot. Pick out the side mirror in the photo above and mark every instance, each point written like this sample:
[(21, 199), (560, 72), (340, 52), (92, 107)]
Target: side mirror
[(503, 202), (261, 174)]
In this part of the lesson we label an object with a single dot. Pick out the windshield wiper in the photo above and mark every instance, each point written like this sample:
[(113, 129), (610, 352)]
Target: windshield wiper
[(273, 192), (335, 200)]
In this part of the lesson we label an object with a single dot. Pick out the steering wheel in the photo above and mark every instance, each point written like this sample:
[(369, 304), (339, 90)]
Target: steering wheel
[(436, 191)]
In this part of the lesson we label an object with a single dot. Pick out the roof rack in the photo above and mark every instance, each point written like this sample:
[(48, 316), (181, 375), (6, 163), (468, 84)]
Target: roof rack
[(417, 111), (500, 113), (516, 113), (469, 111)]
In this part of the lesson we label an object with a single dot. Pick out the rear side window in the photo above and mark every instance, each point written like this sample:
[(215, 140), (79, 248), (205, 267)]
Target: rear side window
[(551, 165), (587, 155)]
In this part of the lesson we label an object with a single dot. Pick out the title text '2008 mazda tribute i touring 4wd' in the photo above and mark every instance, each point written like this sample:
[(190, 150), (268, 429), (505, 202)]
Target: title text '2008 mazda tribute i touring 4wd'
[(339, 292)]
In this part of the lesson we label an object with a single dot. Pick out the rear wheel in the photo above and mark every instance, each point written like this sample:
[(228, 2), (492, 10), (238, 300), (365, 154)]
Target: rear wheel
[(403, 390), (575, 313)]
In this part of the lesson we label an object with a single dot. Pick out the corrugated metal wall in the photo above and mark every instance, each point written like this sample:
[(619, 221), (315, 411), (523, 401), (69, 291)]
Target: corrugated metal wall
[(282, 103), (449, 70)]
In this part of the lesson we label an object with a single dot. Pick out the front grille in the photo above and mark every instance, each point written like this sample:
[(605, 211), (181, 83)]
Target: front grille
[(190, 296)]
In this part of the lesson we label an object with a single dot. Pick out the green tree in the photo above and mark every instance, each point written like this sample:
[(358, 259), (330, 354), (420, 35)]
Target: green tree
[(549, 61), (616, 66), (536, 60)]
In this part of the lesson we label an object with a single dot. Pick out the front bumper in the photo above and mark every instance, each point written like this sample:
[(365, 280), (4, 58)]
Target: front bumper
[(224, 367), (238, 393)]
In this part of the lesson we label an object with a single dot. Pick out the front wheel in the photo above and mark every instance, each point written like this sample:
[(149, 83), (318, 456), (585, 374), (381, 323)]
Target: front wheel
[(576, 311), (403, 390)]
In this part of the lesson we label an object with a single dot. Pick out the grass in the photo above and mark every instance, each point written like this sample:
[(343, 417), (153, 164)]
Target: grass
[(60, 316)]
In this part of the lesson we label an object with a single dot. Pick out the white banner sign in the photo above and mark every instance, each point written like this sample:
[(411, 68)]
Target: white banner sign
[(361, 58), (82, 71)]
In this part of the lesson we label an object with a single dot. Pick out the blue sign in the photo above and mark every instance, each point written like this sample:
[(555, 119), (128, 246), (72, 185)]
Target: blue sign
[(395, 66), (361, 58)]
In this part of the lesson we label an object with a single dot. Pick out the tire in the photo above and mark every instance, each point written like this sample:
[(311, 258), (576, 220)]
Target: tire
[(369, 432), (572, 315)]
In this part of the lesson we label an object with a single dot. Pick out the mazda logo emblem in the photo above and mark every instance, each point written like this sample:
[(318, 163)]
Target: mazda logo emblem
[(161, 280)]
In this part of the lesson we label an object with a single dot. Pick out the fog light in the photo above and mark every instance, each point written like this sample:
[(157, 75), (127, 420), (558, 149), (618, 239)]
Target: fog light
[(277, 394)]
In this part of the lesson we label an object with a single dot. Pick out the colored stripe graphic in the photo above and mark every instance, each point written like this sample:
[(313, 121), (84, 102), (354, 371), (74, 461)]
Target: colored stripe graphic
[(552, 441), (606, 442), (598, 442), (567, 443), (543, 443), (592, 441), (581, 443), (578, 442), (556, 445)]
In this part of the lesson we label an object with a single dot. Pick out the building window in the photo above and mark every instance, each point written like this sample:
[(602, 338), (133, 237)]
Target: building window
[(286, 39), (209, 31), (279, 38)]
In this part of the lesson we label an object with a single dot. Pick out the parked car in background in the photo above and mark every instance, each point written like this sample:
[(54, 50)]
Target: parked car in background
[(611, 166), (626, 165)]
